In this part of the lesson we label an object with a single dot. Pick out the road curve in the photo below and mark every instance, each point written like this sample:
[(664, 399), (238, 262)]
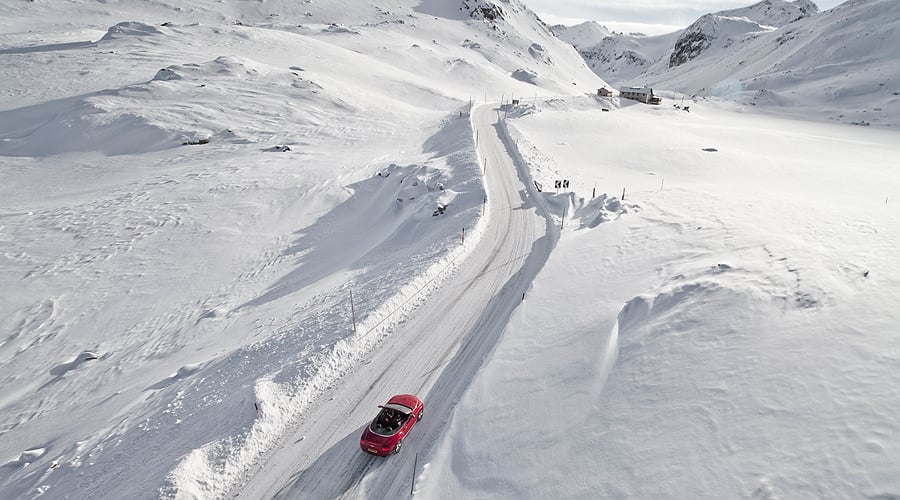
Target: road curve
[(435, 354)]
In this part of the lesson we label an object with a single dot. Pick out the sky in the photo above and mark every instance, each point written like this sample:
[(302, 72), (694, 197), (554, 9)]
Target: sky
[(651, 17)]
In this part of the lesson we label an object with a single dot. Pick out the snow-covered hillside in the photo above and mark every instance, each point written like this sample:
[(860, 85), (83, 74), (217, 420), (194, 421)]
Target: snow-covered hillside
[(190, 194), (838, 65), (712, 33), (727, 330), (701, 338), (585, 34), (620, 57), (785, 57), (775, 13), (623, 58)]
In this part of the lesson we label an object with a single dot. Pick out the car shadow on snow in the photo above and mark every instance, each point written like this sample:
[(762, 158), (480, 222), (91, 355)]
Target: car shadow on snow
[(341, 468), (346, 470)]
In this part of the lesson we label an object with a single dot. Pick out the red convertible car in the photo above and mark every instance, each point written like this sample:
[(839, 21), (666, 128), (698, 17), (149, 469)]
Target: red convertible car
[(385, 434)]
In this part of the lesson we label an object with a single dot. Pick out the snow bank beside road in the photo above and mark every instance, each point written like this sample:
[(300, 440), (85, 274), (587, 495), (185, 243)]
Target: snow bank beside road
[(213, 470)]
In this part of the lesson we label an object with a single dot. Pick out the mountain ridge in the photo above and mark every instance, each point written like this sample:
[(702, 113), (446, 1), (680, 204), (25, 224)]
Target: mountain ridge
[(784, 56)]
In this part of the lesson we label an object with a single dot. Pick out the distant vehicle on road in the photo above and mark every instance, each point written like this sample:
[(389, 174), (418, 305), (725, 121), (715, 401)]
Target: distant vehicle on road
[(386, 433)]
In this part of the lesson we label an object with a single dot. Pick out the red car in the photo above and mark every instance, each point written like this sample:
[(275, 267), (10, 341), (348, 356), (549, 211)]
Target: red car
[(385, 434)]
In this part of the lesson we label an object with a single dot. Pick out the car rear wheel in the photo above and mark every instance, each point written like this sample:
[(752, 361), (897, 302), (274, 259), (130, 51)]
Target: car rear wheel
[(398, 446), (419, 416)]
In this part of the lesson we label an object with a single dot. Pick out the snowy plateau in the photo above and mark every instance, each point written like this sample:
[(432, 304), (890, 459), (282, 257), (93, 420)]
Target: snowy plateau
[(230, 229)]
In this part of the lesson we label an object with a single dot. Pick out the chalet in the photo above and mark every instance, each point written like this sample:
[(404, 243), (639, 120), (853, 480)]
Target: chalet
[(642, 94), (604, 92)]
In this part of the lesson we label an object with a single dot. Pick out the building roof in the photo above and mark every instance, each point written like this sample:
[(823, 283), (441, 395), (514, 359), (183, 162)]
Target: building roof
[(637, 90)]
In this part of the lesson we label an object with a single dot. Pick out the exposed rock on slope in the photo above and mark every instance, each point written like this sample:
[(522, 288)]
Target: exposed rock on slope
[(482, 9)]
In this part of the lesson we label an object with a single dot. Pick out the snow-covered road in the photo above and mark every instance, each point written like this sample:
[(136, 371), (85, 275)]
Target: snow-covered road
[(434, 355)]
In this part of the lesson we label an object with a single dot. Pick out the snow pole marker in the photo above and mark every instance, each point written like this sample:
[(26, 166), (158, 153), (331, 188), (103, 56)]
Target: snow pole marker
[(412, 486), (352, 311)]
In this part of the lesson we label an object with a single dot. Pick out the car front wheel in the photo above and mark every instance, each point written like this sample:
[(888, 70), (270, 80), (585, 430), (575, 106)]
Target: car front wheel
[(419, 416)]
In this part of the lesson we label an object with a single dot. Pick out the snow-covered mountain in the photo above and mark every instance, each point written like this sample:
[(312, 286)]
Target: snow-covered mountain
[(844, 54), (712, 32), (618, 56), (477, 44), (622, 58), (721, 29), (506, 36), (780, 54), (585, 34), (774, 12)]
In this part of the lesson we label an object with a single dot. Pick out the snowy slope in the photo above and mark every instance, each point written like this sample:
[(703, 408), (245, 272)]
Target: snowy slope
[(190, 196), (785, 57), (713, 33), (584, 34), (621, 58), (841, 55), (774, 13), (728, 330), (616, 57)]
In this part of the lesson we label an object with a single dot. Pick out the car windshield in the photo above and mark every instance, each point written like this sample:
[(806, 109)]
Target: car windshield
[(398, 407)]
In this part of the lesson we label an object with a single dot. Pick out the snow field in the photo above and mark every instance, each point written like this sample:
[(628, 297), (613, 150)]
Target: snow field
[(169, 224), (751, 340)]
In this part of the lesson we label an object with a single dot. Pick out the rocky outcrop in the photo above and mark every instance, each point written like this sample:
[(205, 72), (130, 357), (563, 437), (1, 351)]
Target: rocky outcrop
[(482, 10)]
